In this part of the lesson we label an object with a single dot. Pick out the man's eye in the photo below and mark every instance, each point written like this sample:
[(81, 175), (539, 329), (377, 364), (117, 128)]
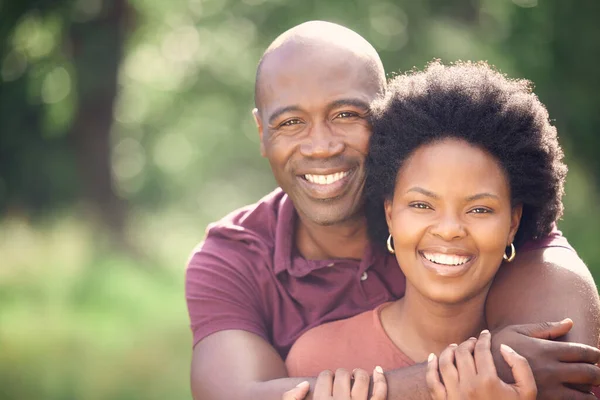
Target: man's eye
[(346, 114), (291, 122)]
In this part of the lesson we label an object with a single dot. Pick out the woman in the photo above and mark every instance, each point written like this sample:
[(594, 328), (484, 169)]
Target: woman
[(464, 167)]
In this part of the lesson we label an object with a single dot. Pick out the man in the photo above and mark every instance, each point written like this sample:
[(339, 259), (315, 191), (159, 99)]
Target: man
[(301, 257)]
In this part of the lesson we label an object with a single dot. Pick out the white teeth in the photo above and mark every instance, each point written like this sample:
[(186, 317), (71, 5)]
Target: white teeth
[(446, 259), (325, 179)]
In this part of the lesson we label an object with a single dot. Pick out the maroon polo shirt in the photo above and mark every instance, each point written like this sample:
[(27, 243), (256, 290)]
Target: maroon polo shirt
[(248, 275)]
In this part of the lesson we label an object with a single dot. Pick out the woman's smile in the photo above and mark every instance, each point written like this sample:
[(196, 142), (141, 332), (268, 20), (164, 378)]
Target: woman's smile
[(446, 264)]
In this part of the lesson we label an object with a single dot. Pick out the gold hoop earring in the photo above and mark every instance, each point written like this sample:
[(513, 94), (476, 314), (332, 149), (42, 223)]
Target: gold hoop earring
[(390, 245), (513, 253)]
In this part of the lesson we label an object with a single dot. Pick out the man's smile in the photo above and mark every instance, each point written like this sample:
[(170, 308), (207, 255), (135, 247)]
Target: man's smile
[(326, 185), (326, 179)]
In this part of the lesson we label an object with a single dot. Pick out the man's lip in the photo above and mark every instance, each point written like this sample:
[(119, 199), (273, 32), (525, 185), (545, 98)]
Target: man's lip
[(327, 191), (323, 171)]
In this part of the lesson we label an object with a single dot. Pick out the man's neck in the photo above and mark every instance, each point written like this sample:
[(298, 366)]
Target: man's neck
[(419, 326), (322, 242)]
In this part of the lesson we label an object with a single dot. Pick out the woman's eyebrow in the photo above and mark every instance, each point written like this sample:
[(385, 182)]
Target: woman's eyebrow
[(426, 192), (479, 196)]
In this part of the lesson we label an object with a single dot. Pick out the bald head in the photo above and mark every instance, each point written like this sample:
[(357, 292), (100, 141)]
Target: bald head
[(323, 42)]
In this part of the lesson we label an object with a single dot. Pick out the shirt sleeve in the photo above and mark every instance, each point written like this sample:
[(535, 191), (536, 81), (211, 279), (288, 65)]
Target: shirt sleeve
[(221, 290)]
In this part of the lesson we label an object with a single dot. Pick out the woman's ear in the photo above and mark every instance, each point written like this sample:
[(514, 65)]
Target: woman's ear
[(387, 206), (515, 220)]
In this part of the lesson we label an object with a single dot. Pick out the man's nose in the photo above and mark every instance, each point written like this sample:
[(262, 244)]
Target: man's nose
[(322, 142), (449, 227)]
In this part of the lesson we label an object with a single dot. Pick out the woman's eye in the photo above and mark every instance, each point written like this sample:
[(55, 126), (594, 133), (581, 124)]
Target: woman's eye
[(421, 206), (480, 210)]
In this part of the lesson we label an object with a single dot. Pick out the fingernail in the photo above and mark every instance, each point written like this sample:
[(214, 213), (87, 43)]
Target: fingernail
[(304, 383), (472, 338), (566, 320), (379, 370), (506, 348), (452, 345), (484, 332), (431, 357)]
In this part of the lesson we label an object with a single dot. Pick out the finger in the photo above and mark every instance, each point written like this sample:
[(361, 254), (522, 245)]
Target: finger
[(483, 355), (324, 385), (580, 387), (465, 364), (341, 384), (447, 370), (524, 380), (360, 387), (437, 391), (565, 393), (547, 330), (379, 385), (577, 374), (297, 393), (574, 352)]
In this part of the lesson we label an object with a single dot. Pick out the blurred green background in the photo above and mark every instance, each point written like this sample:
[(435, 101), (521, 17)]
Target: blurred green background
[(125, 128)]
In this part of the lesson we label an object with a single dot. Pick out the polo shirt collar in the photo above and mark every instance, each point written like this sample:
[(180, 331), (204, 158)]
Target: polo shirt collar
[(286, 256)]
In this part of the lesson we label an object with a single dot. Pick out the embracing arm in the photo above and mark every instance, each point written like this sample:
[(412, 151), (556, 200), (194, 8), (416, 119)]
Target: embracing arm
[(548, 285), (235, 364)]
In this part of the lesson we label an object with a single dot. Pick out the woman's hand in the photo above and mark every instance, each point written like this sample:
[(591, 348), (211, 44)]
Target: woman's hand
[(297, 393), (339, 386), (473, 376)]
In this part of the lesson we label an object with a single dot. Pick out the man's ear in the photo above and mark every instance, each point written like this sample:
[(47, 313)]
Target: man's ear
[(515, 220), (259, 125), (387, 206)]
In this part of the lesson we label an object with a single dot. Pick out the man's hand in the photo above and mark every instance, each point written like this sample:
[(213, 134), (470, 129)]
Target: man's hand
[(468, 372), (341, 387), (562, 370)]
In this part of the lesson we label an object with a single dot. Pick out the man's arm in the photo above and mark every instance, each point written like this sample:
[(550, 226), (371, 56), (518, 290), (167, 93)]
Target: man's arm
[(547, 285), (240, 365), (236, 364)]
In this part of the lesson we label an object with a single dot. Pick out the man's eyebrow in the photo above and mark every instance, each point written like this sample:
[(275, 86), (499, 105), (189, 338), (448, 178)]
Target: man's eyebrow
[(426, 192), (350, 102), (482, 196), (282, 110)]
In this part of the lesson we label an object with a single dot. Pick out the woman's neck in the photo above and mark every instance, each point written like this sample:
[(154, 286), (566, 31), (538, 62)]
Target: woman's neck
[(419, 326)]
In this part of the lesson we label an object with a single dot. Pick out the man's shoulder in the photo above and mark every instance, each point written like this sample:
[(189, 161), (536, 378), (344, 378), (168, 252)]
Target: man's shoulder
[(554, 239), (246, 234), (254, 220)]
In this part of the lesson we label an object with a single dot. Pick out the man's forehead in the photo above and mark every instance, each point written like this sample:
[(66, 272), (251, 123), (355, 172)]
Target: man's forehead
[(308, 75)]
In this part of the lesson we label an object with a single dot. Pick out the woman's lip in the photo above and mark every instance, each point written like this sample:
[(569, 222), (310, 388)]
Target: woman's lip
[(451, 251), (449, 271)]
